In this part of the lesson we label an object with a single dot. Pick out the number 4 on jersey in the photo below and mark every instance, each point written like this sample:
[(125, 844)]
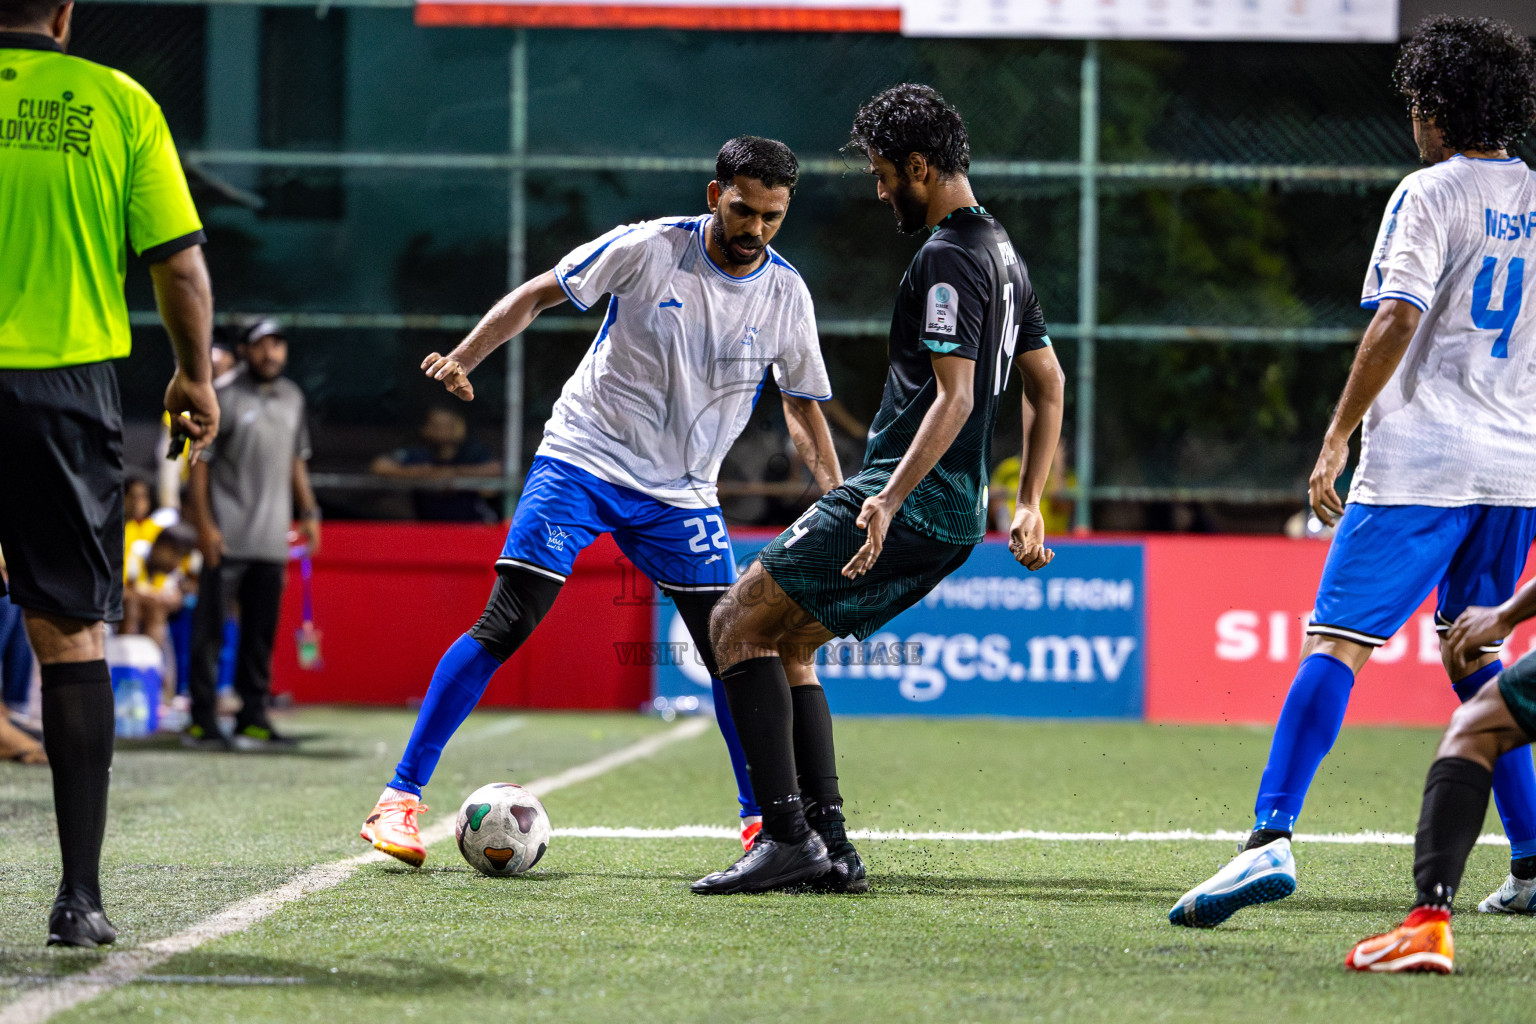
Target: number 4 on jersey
[(1501, 320)]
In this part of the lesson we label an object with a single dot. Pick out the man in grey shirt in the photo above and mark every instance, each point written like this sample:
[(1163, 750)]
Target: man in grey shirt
[(241, 498)]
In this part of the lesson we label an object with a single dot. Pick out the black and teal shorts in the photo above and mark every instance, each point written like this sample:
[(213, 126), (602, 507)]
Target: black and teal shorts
[(806, 561), (1517, 685)]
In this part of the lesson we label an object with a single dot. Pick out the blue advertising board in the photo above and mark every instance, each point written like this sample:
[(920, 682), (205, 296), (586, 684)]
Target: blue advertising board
[(991, 639)]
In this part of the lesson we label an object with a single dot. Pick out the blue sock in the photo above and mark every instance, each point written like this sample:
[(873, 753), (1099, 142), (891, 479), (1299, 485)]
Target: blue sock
[(1514, 778), (723, 719), (457, 686), (1309, 723)]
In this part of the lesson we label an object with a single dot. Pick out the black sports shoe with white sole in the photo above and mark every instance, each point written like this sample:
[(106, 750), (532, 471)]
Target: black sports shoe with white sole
[(770, 864), (78, 920)]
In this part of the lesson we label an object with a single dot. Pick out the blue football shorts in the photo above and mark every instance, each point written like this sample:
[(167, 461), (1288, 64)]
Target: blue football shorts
[(563, 508), (1385, 560)]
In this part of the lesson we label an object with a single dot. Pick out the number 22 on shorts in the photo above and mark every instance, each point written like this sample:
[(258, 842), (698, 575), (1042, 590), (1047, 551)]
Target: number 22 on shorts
[(700, 542)]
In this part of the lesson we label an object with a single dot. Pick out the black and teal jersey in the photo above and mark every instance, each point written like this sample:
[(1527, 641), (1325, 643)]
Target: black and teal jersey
[(965, 294)]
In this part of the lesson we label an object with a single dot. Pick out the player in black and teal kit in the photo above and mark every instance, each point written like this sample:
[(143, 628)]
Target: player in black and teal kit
[(965, 317)]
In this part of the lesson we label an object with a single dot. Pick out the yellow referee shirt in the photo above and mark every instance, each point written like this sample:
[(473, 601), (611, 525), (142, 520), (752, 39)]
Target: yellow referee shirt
[(84, 152)]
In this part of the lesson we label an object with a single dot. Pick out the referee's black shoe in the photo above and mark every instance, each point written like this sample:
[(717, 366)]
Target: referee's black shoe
[(770, 864), (78, 920)]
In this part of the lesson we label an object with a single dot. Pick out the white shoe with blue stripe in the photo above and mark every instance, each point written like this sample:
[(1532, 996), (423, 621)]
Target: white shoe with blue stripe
[(1515, 896), (1261, 875)]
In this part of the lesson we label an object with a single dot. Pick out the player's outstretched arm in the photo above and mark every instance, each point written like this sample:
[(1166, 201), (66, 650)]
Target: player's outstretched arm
[(1382, 348), (813, 439), (1043, 402), (1475, 628), (507, 319), (955, 380), (185, 298)]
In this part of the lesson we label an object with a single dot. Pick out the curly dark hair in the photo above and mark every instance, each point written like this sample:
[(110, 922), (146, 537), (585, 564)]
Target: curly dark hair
[(768, 160), (910, 118), (26, 13), (1475, 78)]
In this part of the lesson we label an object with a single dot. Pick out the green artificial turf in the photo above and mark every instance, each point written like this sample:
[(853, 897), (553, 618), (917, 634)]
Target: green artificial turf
[(605, 930)]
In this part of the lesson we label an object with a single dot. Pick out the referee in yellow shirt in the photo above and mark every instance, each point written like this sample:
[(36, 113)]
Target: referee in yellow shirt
[(84, 154)]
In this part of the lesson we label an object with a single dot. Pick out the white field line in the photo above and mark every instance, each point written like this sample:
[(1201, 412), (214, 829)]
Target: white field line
[(499, 728), (122, 968), (1181, 835)]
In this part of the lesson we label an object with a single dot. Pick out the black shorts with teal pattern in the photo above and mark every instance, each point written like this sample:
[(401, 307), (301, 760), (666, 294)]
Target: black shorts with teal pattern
[(1517, 685), (806, 561)]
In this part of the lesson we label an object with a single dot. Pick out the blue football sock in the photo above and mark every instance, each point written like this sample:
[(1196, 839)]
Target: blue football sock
[(1309, 724), (457, 686), (744, 795), (1514, 777)]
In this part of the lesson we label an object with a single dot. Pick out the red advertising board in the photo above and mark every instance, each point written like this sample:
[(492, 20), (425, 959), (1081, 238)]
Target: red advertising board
[(390, 597), (1226, 617)]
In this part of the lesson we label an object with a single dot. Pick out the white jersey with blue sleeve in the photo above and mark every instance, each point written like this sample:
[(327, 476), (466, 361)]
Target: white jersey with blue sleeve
[(680, 358), (1456, 424)]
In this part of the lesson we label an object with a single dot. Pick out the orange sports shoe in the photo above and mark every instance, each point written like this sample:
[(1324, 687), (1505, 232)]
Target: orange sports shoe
[(750, 827), (391, 827), (1421, 943)]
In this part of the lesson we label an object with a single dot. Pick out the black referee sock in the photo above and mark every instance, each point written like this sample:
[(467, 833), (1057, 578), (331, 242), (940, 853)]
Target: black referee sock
[(816, 761), (758, 693), (1455, 801), (77, 735)]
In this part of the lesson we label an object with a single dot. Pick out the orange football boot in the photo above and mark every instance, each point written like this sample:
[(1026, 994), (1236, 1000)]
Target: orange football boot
[(1421, 943), (391, 828)]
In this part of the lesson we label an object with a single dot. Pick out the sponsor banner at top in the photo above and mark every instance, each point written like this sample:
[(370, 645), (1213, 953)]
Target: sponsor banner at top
[(1277, 20), (741, 15)]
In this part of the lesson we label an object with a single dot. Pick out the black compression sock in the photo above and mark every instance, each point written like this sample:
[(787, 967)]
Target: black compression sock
[(1523, 868), (1265, 836), (815, 756), (1455, 802), (77, 735), (758, 693)]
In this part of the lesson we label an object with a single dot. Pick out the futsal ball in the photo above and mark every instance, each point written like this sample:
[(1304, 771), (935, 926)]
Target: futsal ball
[(502, 829)]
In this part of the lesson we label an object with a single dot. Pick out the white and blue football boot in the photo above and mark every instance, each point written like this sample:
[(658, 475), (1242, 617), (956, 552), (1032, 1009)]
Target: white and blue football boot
[(1260, 875), (1515, 896)]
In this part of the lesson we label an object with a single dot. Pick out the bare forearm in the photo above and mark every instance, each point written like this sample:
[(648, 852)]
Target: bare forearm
[(813, 440), (303, 493), (1520, 607), (1044, 399), (184, 296), (1382, 348), (198, 512), (508, 318), (1042, 432)]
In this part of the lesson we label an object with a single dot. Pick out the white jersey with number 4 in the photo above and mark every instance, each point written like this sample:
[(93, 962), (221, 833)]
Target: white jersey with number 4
[(1456, 424), (678, 363)]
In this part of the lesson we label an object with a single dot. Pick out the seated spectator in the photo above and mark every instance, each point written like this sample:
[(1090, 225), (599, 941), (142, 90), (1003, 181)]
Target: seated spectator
[(140, 525), (446, 451)]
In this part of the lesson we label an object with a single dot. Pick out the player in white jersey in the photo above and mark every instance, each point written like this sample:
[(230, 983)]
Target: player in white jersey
[(700, 311), (1444, 496)]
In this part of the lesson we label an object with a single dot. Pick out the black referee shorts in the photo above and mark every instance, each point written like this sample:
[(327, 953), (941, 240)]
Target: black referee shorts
[(61, 490)]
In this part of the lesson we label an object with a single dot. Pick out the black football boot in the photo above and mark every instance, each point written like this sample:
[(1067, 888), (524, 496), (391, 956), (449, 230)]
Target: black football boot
[(770, 864), (845, 871)]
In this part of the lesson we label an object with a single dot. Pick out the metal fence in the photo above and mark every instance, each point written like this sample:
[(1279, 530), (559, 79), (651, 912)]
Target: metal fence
[(1196, 218)]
